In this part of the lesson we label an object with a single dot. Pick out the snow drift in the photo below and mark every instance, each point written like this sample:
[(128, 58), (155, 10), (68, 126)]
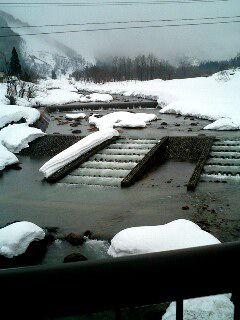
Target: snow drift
[(76, 150), (211, 98), (15, 238)]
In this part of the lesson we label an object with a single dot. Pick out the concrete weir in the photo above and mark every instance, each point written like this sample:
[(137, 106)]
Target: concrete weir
[(120, 162)]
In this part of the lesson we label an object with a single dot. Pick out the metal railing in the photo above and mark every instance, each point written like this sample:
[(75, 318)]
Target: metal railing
[(113, 284)]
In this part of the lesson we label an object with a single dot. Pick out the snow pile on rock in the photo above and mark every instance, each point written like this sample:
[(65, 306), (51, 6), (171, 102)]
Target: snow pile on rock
[(223, 124), (73, 116), (122, 119), (177, 234), (6, 157), (9, 113), (16, 137), (77, 150), (211, 98), (15, 238)]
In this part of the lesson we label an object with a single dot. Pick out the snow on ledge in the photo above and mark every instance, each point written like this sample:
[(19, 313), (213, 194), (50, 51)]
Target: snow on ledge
[(77, 150), (6, 157), (15, 238), (10, 113), (16, 137)]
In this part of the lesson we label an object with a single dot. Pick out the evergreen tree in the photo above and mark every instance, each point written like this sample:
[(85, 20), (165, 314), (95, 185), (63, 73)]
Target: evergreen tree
[(15, 66)]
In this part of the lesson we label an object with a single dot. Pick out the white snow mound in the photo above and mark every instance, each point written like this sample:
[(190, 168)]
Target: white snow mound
[(73, 116), (15, 238), (6, 157), (9, 113), (76, 150), (174, 235), (122, 119), (223, 124), (16, 137)]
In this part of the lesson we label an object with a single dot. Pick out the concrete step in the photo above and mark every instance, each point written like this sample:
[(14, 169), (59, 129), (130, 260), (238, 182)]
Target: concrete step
[(109, 165), (124, 151), (109, 173), (138, 141), (226, 148), (227, 143), (132, 145), (220, 178), (97, 181), (221, 161), (215, 169), (118, 158), (222, 154)]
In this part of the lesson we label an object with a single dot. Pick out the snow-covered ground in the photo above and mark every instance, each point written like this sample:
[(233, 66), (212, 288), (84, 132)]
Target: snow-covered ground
[(213, 98), (76, 150), (16, 237), (177, 234)]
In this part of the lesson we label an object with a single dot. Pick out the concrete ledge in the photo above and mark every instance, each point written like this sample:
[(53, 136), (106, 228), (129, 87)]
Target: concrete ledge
[(191, 186), (153, 156), (102, 105), (63, 172)]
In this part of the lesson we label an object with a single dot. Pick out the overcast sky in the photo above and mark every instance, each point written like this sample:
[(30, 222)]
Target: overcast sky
[(202, 42)]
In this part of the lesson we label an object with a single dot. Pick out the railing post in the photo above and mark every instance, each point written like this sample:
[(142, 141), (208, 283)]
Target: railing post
[(236, 302), (179, 310)]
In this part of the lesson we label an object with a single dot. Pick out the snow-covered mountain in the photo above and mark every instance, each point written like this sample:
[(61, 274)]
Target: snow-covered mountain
[(41, 53)]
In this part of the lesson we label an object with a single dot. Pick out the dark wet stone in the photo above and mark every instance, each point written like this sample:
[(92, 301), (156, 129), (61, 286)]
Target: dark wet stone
[(76, 131), (16, 167), (192, 119), (193, 124), (164, 124), (52, 229), (189, 130), (74, 257), (185, 208), (74, 124), (56, 133), (177, 124), (87, 234), (74, 239), (161, 127), (32, 256)]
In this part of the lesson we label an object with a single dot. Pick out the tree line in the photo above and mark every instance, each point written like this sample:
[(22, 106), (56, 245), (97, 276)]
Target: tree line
[(148, 67)]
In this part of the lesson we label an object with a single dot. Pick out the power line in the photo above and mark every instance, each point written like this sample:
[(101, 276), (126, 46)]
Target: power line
[(120, 28), (119, 22), (92, 4)]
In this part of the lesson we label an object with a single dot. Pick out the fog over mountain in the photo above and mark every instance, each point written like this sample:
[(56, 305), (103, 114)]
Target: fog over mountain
[(203, 42)]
